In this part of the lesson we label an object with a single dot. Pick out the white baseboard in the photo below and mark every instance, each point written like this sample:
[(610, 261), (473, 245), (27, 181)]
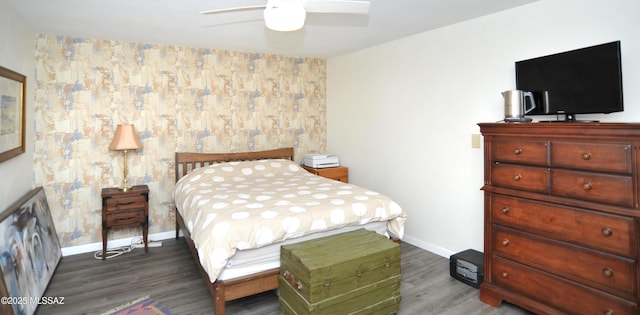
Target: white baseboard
[(87, 248), (428, 247)]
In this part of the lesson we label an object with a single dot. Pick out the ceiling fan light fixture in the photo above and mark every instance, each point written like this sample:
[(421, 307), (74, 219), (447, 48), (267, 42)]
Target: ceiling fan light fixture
[(284, 16)]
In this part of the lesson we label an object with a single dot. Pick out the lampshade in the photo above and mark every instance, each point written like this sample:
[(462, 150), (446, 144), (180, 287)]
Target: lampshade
[(126, 138), (284, 16)]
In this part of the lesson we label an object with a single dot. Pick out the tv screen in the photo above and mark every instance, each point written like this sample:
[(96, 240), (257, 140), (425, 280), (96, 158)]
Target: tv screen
[(582, 81)]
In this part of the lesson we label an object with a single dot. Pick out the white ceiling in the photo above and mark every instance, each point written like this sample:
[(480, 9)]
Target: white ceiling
[(178, 22)]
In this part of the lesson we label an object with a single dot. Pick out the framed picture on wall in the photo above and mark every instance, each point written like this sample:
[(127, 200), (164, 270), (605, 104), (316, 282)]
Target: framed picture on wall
[(29, 253), (12, 113)]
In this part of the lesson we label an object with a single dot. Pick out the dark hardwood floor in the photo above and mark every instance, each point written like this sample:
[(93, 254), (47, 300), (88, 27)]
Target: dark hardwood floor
[(169, 275)]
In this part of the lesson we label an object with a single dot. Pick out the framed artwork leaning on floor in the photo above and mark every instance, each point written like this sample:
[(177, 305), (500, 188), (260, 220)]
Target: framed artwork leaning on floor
[(29, 253)]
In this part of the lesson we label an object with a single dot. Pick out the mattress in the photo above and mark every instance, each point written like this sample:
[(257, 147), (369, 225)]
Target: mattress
[(251, 261)]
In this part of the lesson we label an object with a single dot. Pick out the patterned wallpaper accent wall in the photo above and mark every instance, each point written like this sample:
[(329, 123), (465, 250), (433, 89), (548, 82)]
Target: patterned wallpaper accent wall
[(179, 99)]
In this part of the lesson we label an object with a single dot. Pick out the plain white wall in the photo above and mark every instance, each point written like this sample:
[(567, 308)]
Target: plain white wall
[(401, 115), (16, 53)]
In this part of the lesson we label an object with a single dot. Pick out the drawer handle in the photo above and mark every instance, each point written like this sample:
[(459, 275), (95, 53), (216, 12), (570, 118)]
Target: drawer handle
[(586, 156), (118, 205), (505, 242), (607, 272), (126, 219), (505, 274), (505, 210), (517, 151), (587, 186), (607, 232), (517, 177)]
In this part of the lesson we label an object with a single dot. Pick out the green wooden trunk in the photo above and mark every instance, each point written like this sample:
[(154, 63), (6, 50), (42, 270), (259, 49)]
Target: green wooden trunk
[(356, 272)]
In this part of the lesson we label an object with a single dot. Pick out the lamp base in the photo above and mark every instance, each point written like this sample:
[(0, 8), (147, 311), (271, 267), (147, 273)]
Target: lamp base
[(125, 188), (124, 185)]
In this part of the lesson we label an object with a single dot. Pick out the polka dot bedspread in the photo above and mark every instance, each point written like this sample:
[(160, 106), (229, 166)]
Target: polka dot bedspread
[(242, 205)]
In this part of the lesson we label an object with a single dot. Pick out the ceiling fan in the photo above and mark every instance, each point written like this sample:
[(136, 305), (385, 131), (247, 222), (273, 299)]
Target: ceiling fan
[(289, 15)]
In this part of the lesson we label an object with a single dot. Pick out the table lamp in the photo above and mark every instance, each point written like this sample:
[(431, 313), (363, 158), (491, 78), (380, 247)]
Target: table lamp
[(125, 139)]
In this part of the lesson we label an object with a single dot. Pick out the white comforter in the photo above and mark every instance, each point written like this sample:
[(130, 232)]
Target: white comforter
[(242, 205)]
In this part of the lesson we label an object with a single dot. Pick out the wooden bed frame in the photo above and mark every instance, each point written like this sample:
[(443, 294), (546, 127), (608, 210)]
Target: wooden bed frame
[(231, 289)]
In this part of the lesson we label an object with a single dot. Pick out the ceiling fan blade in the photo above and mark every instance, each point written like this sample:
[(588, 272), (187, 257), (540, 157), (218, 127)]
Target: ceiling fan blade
[(232, 23), (236, 9), (336, 6)]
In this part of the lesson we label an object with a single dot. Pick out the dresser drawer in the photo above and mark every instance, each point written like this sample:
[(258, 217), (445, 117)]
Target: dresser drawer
[(607, 272), (527, 152), (611, 233), (126, 203), (520, 177), (610, 189), (606, 157), (552, 290), (126, 218)]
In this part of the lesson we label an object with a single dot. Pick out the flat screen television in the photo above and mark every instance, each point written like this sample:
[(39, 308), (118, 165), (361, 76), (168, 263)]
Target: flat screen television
[(581, 81)]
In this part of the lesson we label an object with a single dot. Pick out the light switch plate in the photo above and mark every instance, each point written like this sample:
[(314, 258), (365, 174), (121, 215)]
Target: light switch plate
[(475, 141)]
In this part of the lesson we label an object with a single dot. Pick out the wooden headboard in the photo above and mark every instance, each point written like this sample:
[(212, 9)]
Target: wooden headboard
[(188, 161)]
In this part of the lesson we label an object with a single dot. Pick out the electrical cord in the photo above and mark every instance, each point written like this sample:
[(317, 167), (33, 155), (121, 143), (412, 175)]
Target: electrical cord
[(115, 252)]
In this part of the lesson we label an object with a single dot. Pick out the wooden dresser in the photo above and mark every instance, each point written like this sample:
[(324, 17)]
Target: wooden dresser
[(562, 217)]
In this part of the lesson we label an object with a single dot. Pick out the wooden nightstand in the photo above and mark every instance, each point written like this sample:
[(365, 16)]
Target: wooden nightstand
[(340, 173), (120, 209)]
